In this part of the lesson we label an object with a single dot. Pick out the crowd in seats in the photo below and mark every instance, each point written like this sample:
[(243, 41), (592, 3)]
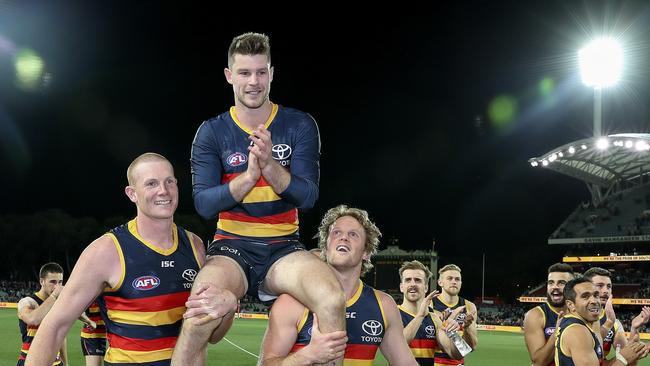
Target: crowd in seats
[(512, 315), (249, 304), (12, 291), (626, 213)]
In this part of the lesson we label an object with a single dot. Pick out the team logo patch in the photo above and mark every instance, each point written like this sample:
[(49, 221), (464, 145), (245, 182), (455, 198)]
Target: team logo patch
[(146, 283), (189, 274), (236, 159), (372, 327), (281, 151), (430, 331), (549, 331)]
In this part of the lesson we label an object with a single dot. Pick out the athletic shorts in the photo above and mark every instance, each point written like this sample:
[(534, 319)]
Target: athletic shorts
[(93, 346), (255, 259)]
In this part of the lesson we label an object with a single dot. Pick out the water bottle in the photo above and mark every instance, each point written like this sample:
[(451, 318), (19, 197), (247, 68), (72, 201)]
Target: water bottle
[(463, 348)]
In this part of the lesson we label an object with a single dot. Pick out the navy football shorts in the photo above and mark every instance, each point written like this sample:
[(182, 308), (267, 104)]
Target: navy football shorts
[(255, 258)]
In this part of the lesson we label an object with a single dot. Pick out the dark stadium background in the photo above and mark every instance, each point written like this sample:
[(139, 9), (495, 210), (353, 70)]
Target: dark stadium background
[(402, 96)]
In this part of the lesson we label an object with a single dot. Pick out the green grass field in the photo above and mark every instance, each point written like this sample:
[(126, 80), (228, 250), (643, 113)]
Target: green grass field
[(495, 348)]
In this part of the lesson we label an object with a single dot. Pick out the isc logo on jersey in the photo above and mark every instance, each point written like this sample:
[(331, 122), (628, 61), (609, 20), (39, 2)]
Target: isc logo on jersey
[(146, 283), (236, 159)]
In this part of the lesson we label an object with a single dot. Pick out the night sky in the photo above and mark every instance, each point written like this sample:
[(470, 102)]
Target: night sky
[(402, 97)]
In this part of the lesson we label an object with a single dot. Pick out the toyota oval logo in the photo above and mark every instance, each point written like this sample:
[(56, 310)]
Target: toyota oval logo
[(372, 327), (430, 330), (189, 274), (281, 151)]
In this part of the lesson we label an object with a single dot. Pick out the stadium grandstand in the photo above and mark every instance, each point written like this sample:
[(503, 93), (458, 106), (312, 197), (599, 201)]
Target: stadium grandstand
[(612, 230)]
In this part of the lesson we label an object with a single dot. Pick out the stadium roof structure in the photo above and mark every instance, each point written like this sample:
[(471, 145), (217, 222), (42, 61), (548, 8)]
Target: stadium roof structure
[(606, 164)]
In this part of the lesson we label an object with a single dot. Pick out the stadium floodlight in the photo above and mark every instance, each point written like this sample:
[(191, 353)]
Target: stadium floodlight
[(602, 143), (572, 150), (601, 65)]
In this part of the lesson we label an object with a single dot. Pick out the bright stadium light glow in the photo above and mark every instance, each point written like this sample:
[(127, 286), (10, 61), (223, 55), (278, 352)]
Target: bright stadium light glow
[(572, 150), (641, 146), (629, 144), (544, 162), (552, 158), (602, 144), (583, 147), (601, 65), (560, 154), (601, 62), (534, 163)]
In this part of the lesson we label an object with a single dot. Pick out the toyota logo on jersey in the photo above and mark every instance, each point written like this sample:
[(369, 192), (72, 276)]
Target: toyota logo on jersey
[(281, 151), (430, 331), (372, 327)]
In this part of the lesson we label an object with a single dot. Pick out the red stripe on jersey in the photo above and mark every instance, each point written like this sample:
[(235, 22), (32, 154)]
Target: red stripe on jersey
[(445, 361), (297, 347), (227, 178), (143, 345), (288, 217), (26, 346), (360, 351), (148, 304), (423, 343)]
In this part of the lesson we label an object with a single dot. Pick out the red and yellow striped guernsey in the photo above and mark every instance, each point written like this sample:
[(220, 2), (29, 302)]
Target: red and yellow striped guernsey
[(93, 314), (27, 333), (143, 313), (365, 325)]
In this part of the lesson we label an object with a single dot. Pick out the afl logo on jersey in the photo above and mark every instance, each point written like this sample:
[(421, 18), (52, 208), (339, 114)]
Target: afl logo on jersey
[(549, 331), (236, 159), (146, 283)]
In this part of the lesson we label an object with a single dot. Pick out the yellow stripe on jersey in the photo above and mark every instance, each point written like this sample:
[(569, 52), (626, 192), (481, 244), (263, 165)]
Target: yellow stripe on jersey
[(381, 308), (305, 314), (133, 229), (233, 115), (190, 237), (117, 355), (257, 229), (351, 301), (149, 318), (122, 263), (353, 362), (93, 335), (261, 194), (422, 352)]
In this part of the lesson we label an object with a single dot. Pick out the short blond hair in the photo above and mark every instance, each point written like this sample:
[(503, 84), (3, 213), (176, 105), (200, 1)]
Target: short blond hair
[(449, 267), (416, 265), (372, 232), (144, 158)]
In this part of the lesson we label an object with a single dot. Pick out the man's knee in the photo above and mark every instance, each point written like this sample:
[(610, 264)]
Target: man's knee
[(331, 299)]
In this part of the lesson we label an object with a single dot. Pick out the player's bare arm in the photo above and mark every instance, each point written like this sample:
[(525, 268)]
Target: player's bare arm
[(282, 331), (470, 335), (411, 329), (98, 266), (394, 346), (540, 350)]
